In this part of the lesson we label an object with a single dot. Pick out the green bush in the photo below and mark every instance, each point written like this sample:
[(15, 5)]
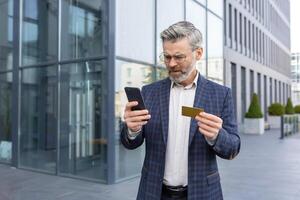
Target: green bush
[(276, 109), (289, 109), (254, 110), (297, 109)]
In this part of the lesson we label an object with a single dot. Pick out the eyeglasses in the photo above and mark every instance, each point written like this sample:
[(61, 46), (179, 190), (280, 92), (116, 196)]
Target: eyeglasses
[(178, 58)]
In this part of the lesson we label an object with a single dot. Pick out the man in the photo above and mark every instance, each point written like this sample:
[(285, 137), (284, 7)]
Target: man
[(180, 160)]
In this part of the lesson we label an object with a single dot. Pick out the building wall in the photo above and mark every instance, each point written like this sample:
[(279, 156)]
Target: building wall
[(257, 38), (295, 68)]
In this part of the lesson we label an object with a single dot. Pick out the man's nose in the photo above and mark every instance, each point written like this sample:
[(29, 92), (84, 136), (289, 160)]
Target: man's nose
[(172, 62)]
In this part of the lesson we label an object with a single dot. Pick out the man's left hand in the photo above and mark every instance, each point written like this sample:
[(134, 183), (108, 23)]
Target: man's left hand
[(209, 125)]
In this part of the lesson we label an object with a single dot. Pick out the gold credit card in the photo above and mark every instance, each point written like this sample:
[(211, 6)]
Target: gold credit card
[(191, 111)]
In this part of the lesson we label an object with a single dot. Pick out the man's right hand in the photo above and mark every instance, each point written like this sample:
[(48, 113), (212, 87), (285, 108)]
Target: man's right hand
[(137, 118)]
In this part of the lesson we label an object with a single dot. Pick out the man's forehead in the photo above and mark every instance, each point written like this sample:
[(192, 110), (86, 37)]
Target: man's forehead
[(178, 46)]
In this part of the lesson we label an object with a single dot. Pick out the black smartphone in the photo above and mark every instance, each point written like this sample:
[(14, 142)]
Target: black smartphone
[(134, 94)]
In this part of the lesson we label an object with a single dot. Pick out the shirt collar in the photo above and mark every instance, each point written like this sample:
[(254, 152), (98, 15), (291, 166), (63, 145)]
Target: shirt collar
[(193, 84)]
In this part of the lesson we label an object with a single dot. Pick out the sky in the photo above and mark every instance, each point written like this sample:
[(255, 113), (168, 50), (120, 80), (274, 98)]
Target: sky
[(295, 25)]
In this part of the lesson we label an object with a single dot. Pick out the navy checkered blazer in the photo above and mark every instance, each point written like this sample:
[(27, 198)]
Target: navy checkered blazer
[(203, 175)]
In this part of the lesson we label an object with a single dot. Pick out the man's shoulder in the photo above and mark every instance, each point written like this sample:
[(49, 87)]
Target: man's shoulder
[(156, 84), (216, 86)]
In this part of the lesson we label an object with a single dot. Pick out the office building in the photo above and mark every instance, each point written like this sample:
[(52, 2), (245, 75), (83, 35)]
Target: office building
[(295, 68), (257, 52)]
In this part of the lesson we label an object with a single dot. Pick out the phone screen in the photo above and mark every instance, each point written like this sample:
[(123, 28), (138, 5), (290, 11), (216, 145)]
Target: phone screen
[(134, 94)]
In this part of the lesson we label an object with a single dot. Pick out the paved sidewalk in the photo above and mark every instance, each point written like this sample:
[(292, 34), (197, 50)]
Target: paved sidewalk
[(267, 168)]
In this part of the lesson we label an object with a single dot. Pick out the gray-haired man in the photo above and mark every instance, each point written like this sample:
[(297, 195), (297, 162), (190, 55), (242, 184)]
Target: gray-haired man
[(180, 160)]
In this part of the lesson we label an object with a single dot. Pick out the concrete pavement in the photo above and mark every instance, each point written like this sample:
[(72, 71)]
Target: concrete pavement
[(267, 168)]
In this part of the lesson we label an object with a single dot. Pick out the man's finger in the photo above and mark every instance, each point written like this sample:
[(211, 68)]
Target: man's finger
[(135, 113), (211, 117), (208, 128), (206, 133), (209, 122), (132, 125), (138, 118), (130, 104)]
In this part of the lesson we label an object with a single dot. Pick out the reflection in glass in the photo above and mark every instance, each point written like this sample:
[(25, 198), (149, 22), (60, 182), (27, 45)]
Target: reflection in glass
[(197, 16), (39, 33), (83, 140), (215, 49), (135, 30), (5, 117), (83, 33), (216, 6), (128, 162), (162, 13), (203, 2), (6, 35), (161, 73), (38, 133)]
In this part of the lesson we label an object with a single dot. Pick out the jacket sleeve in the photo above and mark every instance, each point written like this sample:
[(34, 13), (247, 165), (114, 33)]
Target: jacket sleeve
[(227, 145), (131, 143)]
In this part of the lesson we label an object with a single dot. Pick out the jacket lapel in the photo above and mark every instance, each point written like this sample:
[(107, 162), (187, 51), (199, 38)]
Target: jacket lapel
[(198, 102), (164, 99)]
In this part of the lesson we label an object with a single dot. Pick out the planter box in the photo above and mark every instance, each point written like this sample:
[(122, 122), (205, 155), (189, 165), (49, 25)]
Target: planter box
[(5, 150), (254, 126), (274, 121)]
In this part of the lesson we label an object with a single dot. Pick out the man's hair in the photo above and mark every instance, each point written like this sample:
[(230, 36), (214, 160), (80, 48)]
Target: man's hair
[(181, 30)]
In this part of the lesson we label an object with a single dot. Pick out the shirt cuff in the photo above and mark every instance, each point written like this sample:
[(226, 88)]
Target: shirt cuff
[(132, 135), (211, 142)]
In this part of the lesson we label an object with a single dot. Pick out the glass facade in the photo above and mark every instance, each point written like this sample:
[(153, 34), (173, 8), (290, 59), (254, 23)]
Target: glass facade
[(83, 30), (6, 36), (39, 31), (61, 80), (38, 118), (5, 117), (82, 135), (6, 79)]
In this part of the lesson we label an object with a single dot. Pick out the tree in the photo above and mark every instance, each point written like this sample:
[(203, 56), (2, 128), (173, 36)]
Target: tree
[(289, 109), (254, 110)]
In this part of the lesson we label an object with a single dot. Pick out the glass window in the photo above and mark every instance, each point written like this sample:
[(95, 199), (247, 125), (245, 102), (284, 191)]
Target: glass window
[(161, 73), (196, 15), (83, 28), (265, 98), (135, 30), (39, 32), (215, 49), (230, 22), (128, 163), (259, 93), (203, 2), (243, 92), (83, 139), (5, 117), (163, 8), (251, 83), (216, 6), (38, 137), (271, 90), (6, 36), (233, 85)]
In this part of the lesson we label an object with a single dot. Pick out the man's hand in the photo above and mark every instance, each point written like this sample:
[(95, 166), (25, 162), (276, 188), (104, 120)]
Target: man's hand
[(209, 125), (135, 119)]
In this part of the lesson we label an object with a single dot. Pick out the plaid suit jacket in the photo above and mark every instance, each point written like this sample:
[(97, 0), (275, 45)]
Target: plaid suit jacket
[(203, 175)]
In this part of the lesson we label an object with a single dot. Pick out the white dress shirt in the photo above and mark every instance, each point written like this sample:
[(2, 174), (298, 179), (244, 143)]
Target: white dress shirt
[(176, 166)]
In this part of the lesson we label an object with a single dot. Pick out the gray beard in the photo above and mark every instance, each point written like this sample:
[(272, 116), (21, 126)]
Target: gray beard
[(182, 77)]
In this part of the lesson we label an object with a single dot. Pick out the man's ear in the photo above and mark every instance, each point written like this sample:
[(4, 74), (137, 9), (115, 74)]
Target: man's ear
[(198, 53)]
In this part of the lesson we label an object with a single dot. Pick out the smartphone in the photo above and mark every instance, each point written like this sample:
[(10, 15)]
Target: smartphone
[(134, 94)]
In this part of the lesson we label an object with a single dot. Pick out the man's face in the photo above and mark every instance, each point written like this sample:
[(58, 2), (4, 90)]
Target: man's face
[(180, 59)]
